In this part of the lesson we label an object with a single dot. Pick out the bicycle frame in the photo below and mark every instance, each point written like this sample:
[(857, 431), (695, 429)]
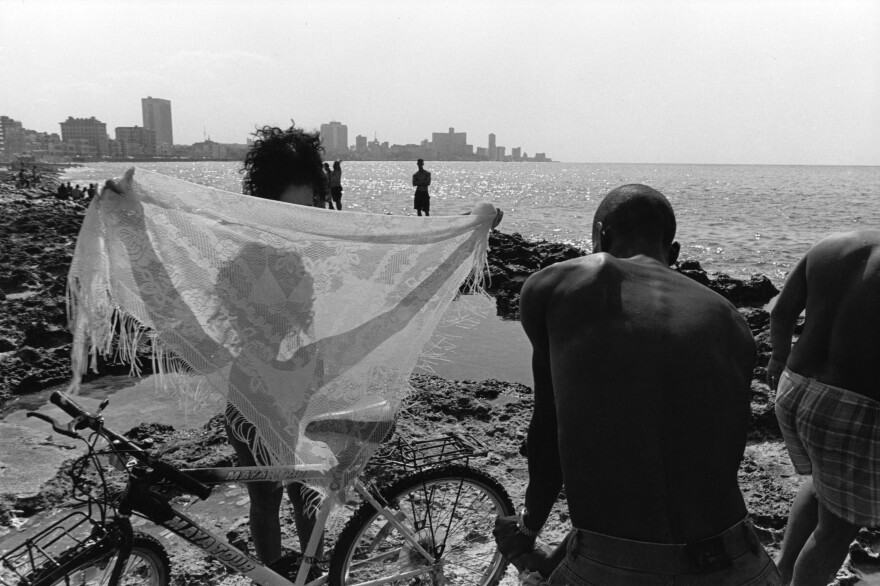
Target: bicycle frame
[(162, 513), (139, 498)]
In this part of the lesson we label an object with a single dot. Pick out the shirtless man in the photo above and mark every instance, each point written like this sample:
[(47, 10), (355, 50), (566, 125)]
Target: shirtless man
[(828, 401), (421, 181), (642, 381)]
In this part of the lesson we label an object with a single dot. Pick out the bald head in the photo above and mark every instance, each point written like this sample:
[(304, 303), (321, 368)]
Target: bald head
[(635, 213)]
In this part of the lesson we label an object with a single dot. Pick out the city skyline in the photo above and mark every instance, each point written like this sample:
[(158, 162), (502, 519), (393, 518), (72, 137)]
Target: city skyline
[(683, 81), (91, 137)]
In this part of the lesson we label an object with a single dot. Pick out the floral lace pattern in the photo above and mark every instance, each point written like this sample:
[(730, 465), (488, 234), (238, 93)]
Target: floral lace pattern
[(298, 316)]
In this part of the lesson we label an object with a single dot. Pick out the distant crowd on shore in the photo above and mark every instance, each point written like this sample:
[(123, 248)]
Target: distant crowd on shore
[(75, 192), (25, 179)]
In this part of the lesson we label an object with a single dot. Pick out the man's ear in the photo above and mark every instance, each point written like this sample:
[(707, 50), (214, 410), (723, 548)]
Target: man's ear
[(605, 238), (674, 250), (597, 230)]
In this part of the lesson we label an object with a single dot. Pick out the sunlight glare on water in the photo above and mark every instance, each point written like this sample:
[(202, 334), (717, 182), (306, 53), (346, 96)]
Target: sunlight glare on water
[(737, 219)]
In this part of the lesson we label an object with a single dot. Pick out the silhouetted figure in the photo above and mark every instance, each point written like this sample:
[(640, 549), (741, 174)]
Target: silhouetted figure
[(92, 190), (325, 199), (336, 185), (421, 180), (77, 193)]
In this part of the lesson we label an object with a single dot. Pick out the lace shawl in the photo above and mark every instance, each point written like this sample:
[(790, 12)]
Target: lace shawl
[(308, 321)]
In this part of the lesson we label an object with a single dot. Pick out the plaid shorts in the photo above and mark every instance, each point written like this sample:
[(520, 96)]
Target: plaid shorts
[(833, 434)]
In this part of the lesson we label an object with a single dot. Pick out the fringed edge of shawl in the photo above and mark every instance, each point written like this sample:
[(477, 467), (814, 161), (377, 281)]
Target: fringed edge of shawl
[(103, 328), (479, 277)]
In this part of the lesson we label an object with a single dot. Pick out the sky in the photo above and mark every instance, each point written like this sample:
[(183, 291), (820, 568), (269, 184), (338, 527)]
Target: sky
[(627, 81)]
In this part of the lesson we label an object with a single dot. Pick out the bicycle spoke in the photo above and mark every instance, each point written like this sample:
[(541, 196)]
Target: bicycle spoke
[(449, 511)]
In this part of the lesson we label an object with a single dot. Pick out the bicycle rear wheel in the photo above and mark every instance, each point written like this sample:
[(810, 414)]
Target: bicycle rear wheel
[(450, 510), (148, 565)]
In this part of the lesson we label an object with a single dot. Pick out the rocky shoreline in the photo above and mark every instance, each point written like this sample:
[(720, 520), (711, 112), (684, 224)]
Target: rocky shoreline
[(38, 235)]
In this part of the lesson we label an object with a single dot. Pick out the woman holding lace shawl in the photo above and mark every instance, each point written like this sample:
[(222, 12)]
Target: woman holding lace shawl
[(232, 294), (281, 165)]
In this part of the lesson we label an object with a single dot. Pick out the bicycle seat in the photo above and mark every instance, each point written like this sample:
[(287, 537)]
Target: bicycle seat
[(345, 432), (364, 423)]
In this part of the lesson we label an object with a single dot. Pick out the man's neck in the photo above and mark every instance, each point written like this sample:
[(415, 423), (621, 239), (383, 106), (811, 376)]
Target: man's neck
[(639, 253)]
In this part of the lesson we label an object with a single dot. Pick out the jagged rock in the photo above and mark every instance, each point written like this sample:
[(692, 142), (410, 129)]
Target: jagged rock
[(692, 269), (27, 355), (512, 259), (757, 291), (42, 335), (759, 319)]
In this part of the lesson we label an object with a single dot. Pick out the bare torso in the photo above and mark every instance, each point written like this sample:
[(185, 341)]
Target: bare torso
[(841, 336), (651, 375)]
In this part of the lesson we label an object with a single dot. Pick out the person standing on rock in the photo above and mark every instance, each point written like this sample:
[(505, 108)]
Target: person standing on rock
[(828, 401), (421, 180), (642, 391)]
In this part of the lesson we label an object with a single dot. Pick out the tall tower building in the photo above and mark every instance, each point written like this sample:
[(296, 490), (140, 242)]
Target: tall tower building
[(491, 147), (334, 137), (157, 116)]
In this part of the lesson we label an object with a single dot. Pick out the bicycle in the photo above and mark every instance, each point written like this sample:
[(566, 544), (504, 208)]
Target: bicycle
[(431, 526)]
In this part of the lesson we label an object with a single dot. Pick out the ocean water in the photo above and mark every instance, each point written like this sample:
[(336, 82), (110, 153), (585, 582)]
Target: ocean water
[(736, 219)]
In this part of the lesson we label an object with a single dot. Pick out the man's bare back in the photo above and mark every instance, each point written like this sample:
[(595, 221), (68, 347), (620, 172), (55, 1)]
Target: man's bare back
[(650, 376), (642, 380), (838, 283)]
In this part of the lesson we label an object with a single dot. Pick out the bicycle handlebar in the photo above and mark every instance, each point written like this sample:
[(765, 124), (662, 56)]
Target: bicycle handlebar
[(82, 419)]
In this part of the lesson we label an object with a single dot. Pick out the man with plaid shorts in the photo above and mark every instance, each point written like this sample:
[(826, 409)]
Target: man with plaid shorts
[(828, 401)]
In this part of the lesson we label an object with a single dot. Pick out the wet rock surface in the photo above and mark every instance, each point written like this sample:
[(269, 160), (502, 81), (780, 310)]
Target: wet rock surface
[(512, 259), (37, 235)]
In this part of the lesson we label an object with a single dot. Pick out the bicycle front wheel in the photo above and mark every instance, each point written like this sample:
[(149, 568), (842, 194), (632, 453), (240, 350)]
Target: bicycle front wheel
[(148, 565), (449, 510)]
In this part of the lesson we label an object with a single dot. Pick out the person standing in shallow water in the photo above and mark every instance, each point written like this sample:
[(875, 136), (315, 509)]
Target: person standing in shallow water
[(336, 185), (642, 400), (828, 401), (326, 199), (421, 180)]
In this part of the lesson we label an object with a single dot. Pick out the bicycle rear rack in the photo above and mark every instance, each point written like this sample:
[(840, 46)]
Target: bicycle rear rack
[(420, 454), (43, 550)]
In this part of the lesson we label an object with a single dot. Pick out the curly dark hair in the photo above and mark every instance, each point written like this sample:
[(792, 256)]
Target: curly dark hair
[(280, 158)]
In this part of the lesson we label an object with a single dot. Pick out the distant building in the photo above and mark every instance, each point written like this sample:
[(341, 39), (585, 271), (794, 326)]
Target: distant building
[(209, 150), (134, 141), (451, 144), (157, 116), (91, 129), (541, 157), (360, 143), (500, 153), (516, 153), (11, 138), (491, 147), (334, 137)]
